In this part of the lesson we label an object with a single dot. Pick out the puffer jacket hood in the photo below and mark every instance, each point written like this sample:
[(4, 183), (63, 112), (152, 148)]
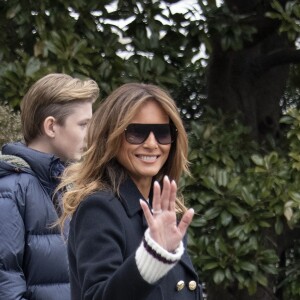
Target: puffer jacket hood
[(10, 164), (47, 167)]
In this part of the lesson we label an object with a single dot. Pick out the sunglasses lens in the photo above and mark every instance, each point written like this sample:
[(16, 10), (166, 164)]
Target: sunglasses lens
[(138, 133), (135, 134), (163, 135)]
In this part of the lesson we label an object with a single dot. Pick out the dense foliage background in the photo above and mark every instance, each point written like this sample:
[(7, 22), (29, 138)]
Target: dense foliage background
[(240, 59), (10, 124), (245, 237)]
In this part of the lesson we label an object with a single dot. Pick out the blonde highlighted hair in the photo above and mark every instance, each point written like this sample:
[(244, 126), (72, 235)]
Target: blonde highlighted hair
[(53, 95), (99, 168)]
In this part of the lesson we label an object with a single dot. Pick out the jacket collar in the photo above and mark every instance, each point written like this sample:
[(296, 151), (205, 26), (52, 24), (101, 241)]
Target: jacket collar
[(130, 197)]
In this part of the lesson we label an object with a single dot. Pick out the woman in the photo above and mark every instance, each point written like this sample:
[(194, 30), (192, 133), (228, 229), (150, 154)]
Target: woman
[(33, 257), (137, 149)]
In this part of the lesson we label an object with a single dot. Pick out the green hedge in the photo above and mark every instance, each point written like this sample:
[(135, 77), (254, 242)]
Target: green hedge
[(10, 124), (246, 197)]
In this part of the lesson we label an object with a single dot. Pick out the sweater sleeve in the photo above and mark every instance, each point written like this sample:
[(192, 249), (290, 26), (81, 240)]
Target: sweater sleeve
[(12, 235), (153, 261)]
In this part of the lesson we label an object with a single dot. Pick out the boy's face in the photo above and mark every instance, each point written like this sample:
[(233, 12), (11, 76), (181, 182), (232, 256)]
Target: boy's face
[(69, 142)]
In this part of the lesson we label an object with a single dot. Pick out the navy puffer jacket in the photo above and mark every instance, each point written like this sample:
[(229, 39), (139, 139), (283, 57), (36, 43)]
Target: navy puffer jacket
[(33, 257)]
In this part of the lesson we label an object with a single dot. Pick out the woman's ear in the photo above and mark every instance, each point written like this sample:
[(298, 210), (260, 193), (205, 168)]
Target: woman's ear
[(49, 126)]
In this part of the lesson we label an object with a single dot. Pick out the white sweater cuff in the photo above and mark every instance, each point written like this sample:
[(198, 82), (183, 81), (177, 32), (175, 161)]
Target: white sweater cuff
[(153, 261)]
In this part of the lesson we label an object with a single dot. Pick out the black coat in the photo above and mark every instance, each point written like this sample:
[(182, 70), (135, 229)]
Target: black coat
[(33, 256), (105, 232)]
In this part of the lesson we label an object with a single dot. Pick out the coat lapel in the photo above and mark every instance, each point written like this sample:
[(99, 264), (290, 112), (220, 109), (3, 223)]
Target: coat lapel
[(130, 197)]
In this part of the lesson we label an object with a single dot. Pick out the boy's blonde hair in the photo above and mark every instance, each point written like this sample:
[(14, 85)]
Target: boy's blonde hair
[(53, 95)]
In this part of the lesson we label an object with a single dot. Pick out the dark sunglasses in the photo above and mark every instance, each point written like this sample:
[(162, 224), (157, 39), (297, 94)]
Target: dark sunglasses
[(138, 133)]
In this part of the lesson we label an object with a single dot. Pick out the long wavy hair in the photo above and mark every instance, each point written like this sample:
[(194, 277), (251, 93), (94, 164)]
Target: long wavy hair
[(99, 168)]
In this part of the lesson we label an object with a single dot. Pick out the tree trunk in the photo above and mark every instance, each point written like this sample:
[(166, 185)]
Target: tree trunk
[(252, 80), (238, 83)]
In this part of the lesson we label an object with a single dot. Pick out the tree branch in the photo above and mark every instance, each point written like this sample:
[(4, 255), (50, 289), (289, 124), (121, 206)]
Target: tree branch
[(276, 58)]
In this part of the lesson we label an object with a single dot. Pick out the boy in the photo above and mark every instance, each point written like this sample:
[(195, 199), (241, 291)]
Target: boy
[(33, 260)]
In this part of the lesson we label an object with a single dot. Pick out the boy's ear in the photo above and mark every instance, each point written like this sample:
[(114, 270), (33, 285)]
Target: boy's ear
[(49, 126)]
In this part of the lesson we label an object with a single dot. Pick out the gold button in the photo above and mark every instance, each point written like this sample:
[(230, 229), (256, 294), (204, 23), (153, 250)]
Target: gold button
[(180, 285), (192, 285)]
